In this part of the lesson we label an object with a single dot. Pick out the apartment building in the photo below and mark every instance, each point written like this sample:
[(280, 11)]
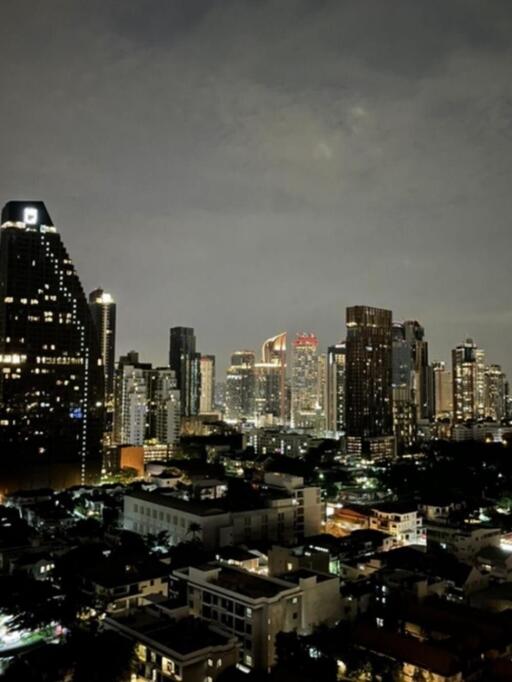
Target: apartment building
[(398, 520), (257, 608), (185, 649), (464, 541)]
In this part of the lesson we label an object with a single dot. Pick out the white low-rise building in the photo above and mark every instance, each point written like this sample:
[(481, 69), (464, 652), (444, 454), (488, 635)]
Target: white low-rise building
[(284, 516), (256, 608)]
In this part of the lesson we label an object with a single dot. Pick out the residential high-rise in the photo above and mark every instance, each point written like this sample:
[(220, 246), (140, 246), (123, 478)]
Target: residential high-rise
[(166, 406), (270, 377), (186, 363), (443, 391), (207, 397), (468, 369), (304, 381), (132, 382), (495, 393), (147, 403), (404, 418), (335, 390), (51, 377), (240, 386), (103, 311), (368, 375), (414, 335), (410, 365)]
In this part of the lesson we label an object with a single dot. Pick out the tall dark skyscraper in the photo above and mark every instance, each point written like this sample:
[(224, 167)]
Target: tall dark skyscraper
[(51, 376), (368, 373), (336, 393), (103, 311), (186, 363)]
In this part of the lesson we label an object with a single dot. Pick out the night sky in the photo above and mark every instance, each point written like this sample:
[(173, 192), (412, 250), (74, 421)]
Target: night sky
[(252, 166)]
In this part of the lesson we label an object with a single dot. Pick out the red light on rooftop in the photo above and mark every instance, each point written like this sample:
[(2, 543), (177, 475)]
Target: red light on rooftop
[(305, 340)]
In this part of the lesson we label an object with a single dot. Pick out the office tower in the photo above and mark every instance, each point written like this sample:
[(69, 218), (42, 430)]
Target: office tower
[(270, 381), (443, 391), (495, 393), (103, 311), (322, 382), (404, 418), (304, 387), (368, 376), (410, 365), (132, 380), (207, 369), (335, 390), (468, 368), (402, 357), (186, 363), (421, 383), (240, 386), (51, 378)]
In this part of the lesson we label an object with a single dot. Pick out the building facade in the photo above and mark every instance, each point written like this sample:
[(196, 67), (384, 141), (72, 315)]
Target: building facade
[(305, 381), (335, 388), (368, 374), (51, 374), (468, 374), (186, 363), (103, 311), (207, 396), (241, 386)]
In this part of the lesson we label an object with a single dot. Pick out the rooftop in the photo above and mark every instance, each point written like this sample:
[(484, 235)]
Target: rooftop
[(304, 574), (247, 584), (196, 507), (430, 657), (183, 637)]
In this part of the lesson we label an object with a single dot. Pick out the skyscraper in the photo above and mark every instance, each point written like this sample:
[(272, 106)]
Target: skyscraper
[(335, 393), (103, 311), (186, 363), (132, 382), (165, 399), (443, 391), (51, 377), (415, 338), (410, 365), (495, 393), (468, 363), (304, 380), (147, 403), (270, 374), (368, 375), (206, 402), (240, 386)]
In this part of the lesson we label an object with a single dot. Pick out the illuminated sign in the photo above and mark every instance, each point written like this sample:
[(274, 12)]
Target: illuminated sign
[(30, 216)]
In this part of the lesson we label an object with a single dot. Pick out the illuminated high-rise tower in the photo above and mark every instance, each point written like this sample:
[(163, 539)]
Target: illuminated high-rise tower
[(335, 391), (468, 374), (443, 391), (305, 404), (186, 363), (103, 311), (51, 375), (206, 402), (368, 374), (240, 386), (270, 375), (495, 393)]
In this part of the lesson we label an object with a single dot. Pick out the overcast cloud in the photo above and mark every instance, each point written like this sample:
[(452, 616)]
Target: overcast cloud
[(251, 166)]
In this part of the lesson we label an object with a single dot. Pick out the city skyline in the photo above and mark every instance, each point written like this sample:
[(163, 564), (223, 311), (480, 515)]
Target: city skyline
[(376, 176)]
